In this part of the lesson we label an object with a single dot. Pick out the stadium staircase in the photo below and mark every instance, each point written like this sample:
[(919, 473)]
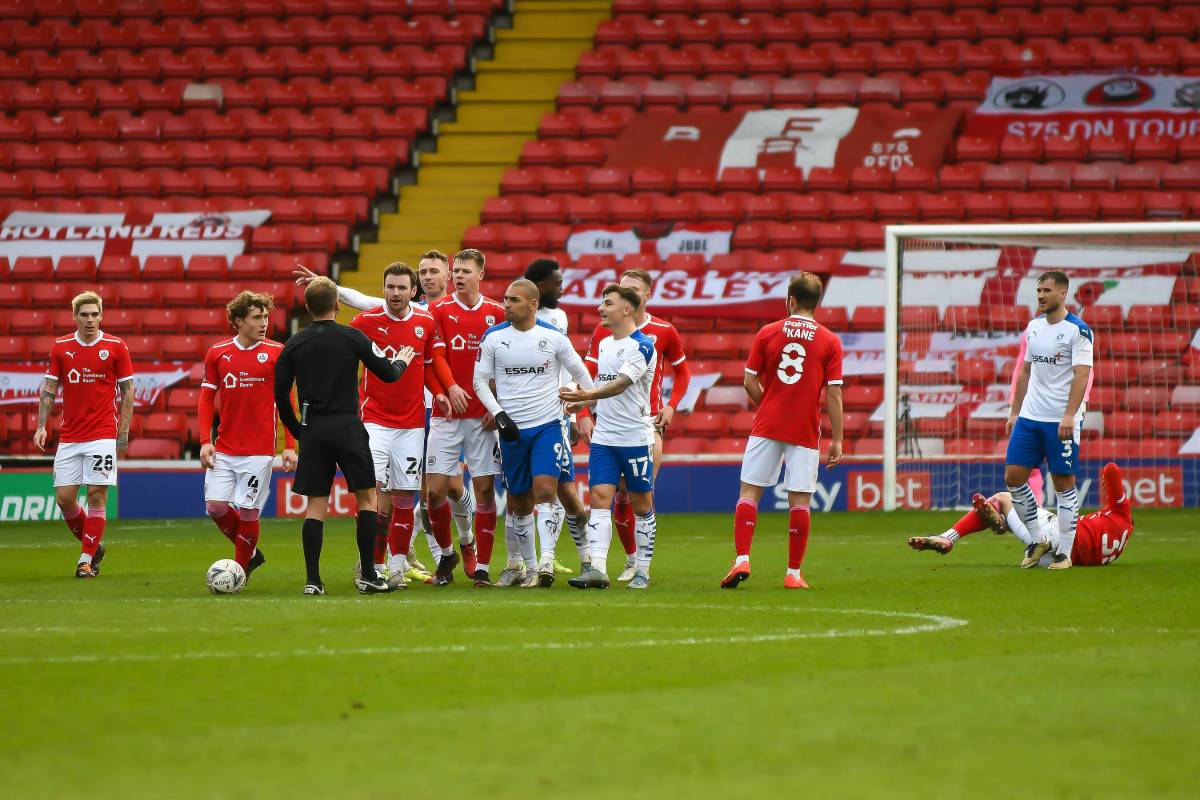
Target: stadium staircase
[(492, 123)]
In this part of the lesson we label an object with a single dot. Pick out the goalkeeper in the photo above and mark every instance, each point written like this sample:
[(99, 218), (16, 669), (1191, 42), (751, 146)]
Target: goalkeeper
[(1100, 538)]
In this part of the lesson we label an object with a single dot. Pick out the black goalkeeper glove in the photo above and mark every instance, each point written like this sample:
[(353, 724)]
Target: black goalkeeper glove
[(509, 431)]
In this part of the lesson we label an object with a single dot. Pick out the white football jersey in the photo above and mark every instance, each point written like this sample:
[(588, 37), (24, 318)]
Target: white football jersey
[(625, 420), (1054, 351), (525, 366)]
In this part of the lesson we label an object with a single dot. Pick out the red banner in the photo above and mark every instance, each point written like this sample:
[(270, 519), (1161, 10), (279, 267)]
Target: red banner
[(1123, 107), (802, 138)]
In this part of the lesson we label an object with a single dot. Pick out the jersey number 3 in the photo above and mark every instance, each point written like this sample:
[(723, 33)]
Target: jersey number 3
[(791, 362)]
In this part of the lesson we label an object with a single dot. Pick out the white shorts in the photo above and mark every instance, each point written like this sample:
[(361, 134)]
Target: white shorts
[(396, 453), (243, 481), (450, 438), (86, 463), (764, 457)]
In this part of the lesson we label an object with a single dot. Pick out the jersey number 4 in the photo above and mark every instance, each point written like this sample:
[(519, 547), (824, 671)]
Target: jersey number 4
[(791, 362)]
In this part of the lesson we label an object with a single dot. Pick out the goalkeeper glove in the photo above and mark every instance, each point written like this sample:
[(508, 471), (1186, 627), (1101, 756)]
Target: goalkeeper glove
[(509, 431)]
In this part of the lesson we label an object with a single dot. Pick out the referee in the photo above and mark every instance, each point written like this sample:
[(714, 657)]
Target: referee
[(322, 360)]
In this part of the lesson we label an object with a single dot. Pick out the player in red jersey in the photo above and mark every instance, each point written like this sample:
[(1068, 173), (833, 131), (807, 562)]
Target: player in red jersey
[(394, 415), (1100, 537), (93, 368), (468, 430), (237, 479), (790, 363), (668, 345)]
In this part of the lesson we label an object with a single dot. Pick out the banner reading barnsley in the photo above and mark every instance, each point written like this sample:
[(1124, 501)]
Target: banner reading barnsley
[(802, 138), (754, 295), (187, 234), (1086, 106)]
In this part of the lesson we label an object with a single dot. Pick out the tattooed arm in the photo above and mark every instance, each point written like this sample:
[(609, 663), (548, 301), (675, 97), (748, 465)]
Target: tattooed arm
[(45, 405), (126, 388)]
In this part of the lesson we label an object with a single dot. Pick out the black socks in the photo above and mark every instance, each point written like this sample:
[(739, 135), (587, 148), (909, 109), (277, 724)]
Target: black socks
[(313, 534)]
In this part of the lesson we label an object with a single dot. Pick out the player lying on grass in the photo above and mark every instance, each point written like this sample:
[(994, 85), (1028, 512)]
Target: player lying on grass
[(1100, 536)]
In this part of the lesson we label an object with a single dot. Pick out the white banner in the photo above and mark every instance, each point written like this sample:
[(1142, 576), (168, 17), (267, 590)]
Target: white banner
[(1136, 290), (1111, 93), (184, 234), (22, 385), (804, 138)]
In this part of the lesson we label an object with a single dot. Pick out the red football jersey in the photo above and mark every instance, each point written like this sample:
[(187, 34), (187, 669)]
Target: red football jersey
[(667, 344), (244, 379), (400, 404), (794, 359), (1100, 537), (88, 375), (460, 330)]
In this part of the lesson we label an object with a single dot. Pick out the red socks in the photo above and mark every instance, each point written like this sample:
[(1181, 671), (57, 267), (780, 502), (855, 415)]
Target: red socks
[(970, 523), (226, 520), (400, 532), (75, 520), (439, 518), (623, 518), (799, 521), (485, 533), (745, 517), (247, 539), (93, 530)]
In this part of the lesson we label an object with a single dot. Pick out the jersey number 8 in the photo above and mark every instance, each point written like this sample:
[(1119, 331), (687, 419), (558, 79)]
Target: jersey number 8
[(792, 356)]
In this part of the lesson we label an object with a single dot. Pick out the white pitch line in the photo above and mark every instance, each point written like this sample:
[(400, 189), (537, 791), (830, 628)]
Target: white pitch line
[(926, 623)]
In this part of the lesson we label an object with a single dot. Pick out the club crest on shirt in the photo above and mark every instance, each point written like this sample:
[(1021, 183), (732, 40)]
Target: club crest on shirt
[(490, 319), (103, 355), (262, 358), (419, 331), (544, 345), (653, 337)]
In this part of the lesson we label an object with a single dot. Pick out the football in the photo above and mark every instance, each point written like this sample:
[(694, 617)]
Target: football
[(226, 577)]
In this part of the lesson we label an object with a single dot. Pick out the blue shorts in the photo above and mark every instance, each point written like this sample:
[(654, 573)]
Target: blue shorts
[(544, 450), (609, 463), (1033, 441)]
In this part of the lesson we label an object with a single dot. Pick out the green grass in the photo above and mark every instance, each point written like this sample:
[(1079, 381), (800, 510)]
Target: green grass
[(139, 684)]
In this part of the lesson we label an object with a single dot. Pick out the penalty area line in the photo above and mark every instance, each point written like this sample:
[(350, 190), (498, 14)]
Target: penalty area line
[(915, 623)]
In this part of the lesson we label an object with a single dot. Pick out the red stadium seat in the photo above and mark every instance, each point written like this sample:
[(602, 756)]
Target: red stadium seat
[(155, 448)]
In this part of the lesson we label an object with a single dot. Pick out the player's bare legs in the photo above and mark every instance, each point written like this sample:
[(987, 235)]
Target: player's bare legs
[(988, 513), (87, 526), (745, 519)]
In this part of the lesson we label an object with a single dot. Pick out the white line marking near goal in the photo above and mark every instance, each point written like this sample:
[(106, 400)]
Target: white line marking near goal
[(919, 623)]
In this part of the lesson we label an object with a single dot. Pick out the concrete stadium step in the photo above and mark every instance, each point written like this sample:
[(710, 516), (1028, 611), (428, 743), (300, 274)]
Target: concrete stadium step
[(535, 55), (516, 86), (456, 175), (484, 117), (479, 148)]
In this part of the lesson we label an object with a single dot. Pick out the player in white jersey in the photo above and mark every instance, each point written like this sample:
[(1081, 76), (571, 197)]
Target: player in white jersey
[(433, 275), (1047, 414), (623, 440), (546, 274), (523, 356)]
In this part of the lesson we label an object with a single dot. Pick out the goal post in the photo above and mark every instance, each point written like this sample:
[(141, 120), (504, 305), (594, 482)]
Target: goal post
[(992, 266)]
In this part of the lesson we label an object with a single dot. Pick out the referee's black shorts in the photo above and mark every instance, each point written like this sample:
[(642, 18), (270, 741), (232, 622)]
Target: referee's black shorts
[(327, 443)]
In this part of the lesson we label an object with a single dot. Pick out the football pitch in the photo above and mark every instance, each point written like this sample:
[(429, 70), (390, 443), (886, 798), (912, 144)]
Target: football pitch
[(900, 674)]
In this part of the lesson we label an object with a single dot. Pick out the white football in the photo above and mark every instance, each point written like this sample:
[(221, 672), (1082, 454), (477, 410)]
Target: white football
[(226, 577)]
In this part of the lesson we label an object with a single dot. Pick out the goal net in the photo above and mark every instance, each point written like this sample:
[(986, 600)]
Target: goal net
[(958, 298)]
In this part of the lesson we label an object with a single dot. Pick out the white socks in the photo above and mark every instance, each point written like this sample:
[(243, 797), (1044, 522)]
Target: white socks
[(511, 543), (1068, 502), (578, 529), (1017, 526), (644, 529), (523, 533), (463, 511), (549, 526), (599, 534), (1026, 505)]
